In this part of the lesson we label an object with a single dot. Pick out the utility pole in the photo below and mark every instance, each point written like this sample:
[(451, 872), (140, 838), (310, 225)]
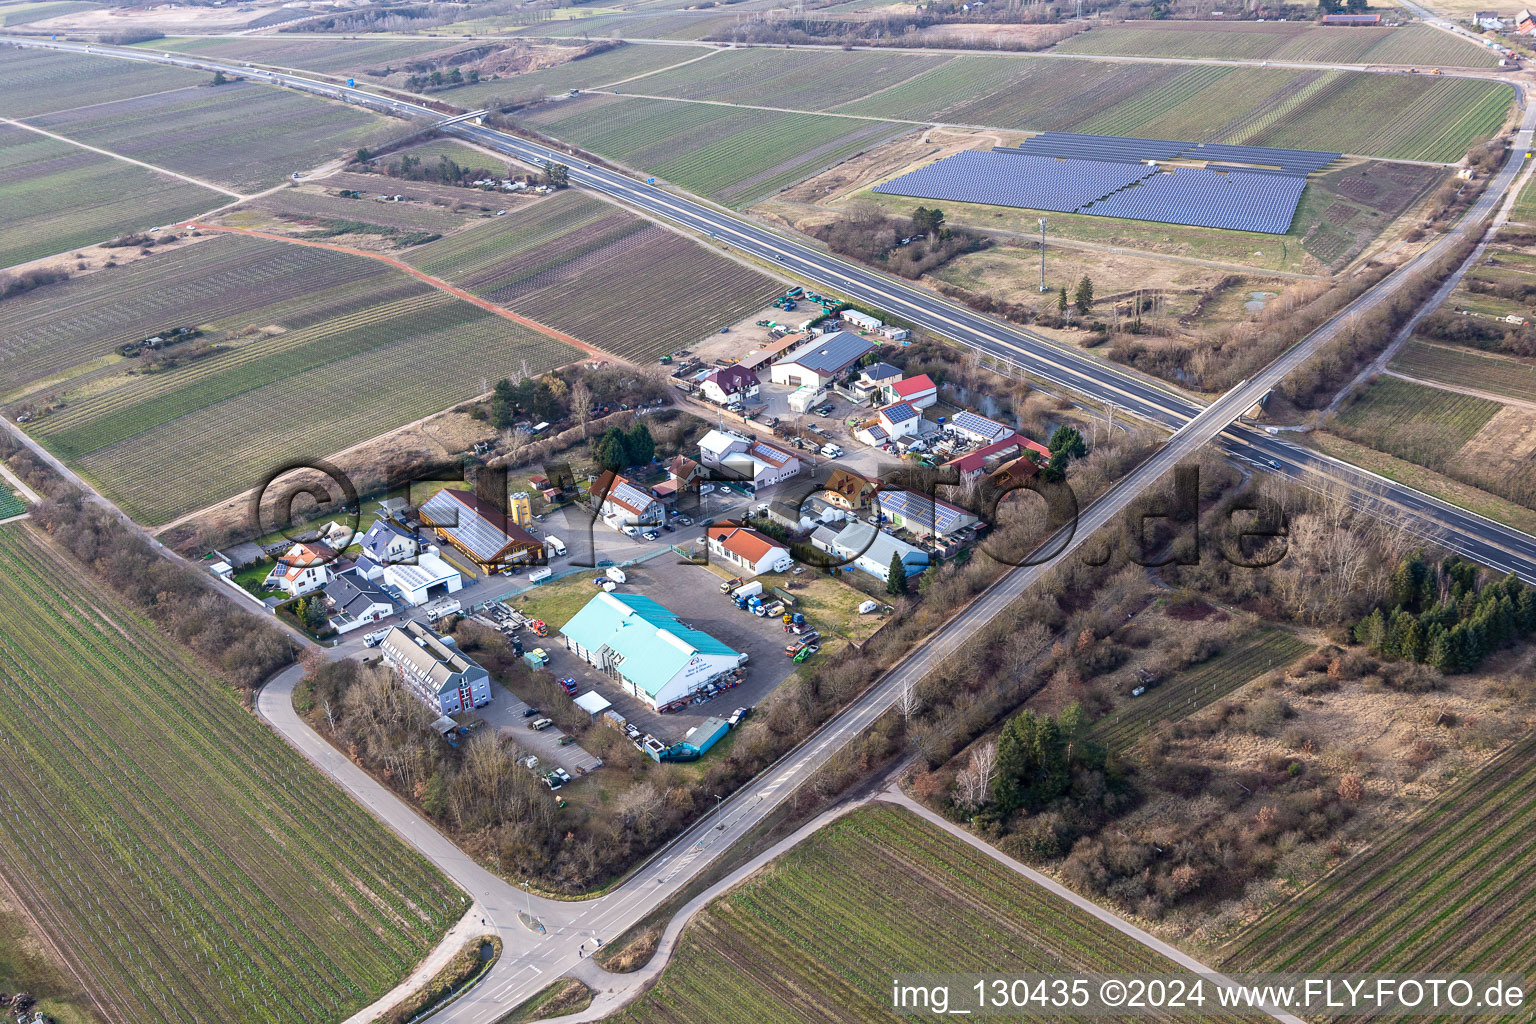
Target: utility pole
[(1042, 255)]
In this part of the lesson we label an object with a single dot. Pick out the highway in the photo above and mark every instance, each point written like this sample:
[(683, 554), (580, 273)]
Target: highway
[(531, 959), (1466, 533)]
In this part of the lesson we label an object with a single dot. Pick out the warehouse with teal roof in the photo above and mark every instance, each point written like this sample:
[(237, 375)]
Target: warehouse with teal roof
[(645, 648)]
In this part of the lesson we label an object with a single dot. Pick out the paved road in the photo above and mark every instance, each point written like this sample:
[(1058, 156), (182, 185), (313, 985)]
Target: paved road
[(534, 958)]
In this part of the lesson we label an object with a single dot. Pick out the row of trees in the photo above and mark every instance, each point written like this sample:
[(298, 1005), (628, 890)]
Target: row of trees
[(437, 80), (1439, 616)]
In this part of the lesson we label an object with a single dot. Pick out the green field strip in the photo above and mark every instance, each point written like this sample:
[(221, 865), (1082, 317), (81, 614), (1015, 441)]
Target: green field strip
[(875, 893), (1393, 404), (199, 913), (1461, 368), (1193, 689)]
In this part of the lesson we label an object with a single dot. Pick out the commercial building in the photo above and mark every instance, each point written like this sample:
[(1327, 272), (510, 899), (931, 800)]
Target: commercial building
[(863, 321), (991, 457), (746, 551), (869, 549), (434, 669), (302, 569), (425, 580), (727, 384), (758, 462), (977, 428), (645, 648), (355, 600), (924, 516), (822, 361), (480, 530)]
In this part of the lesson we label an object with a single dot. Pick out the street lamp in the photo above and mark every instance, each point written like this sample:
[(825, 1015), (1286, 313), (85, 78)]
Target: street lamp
[(1042, 255)]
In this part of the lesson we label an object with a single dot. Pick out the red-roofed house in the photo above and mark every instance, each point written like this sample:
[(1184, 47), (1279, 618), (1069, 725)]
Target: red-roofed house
[(747, 551), (729, 384), (1005, 450), (626, 502), (303, 569), (919, 392)]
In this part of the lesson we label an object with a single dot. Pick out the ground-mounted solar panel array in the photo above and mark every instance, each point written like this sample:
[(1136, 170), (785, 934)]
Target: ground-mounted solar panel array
[(1241, 188)]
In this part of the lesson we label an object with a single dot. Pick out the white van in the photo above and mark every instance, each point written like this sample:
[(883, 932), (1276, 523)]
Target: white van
[(831, 451), (540, 724)]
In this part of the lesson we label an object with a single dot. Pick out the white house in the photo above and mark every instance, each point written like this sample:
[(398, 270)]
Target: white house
[(863, 321), (919, 392), (435, 670), (727, 384), (869, 549), (386, 543), (302, 569), (880, 374), (900, 420), (821, 361), (354, 600), (627, 503), (761, 463), (746, 551)]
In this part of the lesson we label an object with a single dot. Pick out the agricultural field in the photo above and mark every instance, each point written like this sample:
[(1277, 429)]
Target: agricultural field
[(25, 13), (59, 197), (39, 82), (1458, 367), (1198, 687), (736, 155), (10, 504), (1406, 415), (1413, 45), (794, 79), (679, 25), (600, 274), (159, 812), (876, 893), (322, 54), (1524, 210), (243, 135), (1442, 893), (1408, 117), (587, 73), (304, 352)]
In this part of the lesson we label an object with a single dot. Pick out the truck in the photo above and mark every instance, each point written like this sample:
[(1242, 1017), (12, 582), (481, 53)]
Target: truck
[(556, 545), (747, 590), (616, 574), (540, 575), (536, 658)]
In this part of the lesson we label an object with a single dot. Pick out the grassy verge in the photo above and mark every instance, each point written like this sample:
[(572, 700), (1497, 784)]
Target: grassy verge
[(555, 1000), (468, 965)]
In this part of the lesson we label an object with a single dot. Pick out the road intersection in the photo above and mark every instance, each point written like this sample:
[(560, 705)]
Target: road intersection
[(532, 958)]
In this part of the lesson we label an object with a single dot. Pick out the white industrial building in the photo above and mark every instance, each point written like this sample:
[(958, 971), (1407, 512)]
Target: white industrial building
[(646, 648), (746, 551), (427, 579), (863, 321), (869, 549)]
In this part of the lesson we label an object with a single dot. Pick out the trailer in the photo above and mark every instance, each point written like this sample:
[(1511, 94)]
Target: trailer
[(747, 590)]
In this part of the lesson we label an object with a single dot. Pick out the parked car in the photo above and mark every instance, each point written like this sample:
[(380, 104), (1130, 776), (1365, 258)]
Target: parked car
[(682, 520), (651, 535), (530, 712)]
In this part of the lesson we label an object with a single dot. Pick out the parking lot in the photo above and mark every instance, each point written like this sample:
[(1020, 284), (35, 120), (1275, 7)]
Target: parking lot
[(505, 714), (693, 593)]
